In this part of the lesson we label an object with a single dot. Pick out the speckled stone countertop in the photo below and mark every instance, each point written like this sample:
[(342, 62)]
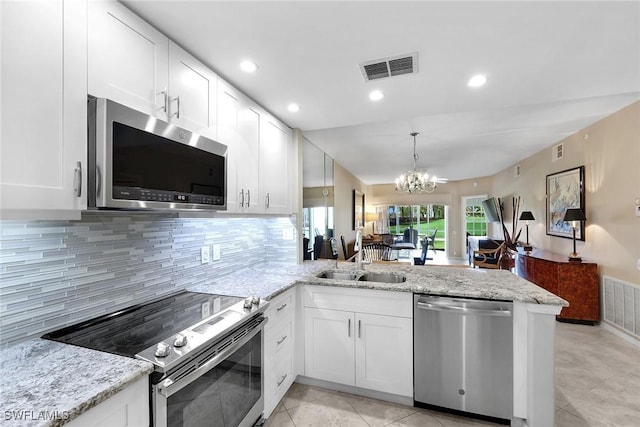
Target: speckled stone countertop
[(47, 383), (269, 282), (42, 377)]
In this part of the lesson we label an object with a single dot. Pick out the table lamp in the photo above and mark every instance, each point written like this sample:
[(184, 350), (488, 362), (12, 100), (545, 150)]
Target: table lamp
[(527, 216), (574, 215)]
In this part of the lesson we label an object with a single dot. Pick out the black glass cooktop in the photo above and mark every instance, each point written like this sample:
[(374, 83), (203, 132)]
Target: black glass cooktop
[(129, 331)]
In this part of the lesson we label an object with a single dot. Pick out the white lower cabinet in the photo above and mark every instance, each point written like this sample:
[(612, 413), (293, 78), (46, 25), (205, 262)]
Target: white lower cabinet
[(279, 349), (129, 407), (359, 337)]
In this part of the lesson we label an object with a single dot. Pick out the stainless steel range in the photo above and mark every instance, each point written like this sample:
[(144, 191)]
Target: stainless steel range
[(207, 351)]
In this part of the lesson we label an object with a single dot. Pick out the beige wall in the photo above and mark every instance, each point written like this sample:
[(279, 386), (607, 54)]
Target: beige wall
[(345, 183), (610, 153)]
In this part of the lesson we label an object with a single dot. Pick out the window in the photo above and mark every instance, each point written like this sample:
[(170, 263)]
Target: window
[(475, 221), (425, 218)]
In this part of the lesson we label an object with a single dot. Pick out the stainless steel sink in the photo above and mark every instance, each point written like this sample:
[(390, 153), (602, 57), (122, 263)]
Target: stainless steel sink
[(339, 275), (383, 277)]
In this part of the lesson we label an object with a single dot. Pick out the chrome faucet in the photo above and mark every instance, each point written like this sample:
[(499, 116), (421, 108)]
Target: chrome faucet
[(358, 248), (334, 249)]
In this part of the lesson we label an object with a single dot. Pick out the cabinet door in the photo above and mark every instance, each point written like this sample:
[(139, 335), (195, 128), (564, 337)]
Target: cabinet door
[(128, 59), (228, 134), (329, 345), (248, 153), (274, 166), (44, 107), (192, 93), (384, 353)]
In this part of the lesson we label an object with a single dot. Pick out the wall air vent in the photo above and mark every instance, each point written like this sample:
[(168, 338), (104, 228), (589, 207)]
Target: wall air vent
[(389, 67), (557, 152)]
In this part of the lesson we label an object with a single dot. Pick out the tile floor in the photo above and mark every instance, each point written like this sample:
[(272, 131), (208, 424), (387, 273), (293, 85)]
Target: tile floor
[(597, 384)]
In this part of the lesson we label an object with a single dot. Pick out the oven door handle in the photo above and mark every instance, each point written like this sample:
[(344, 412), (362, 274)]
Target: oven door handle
[(168, 387)]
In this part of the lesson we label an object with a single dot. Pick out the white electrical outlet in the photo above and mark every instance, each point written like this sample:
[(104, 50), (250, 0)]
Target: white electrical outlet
[(205, 310), (216, 252), (205, 254), (638, 263)]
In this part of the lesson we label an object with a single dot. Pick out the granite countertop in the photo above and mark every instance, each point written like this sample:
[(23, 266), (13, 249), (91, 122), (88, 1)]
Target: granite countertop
[(46, 383), (39, 378), (269, 282)]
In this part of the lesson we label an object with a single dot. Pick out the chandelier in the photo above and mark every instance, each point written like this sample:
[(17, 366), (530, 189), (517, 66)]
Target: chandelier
[(414, 181)]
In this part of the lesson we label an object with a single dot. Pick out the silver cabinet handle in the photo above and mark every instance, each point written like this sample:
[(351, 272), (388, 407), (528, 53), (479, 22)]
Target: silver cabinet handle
[(248, 198), (266, 201), (242, 198), (281, 340), (284, 377), (281, 307), (359, 329), (462, 310), (177, 113), (77, 180), (349, 328), (165, 100)]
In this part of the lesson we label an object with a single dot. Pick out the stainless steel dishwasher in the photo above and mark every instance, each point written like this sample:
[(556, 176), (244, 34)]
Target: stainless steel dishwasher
[(463, 356)]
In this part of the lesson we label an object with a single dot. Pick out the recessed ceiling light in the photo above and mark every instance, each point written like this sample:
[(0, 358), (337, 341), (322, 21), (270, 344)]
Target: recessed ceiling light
[(376, 95), (477, 80), (248, 66), (293, 107)]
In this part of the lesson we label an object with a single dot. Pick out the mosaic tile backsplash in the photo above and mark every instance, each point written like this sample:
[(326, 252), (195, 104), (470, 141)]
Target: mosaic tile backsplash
[(56, 273)]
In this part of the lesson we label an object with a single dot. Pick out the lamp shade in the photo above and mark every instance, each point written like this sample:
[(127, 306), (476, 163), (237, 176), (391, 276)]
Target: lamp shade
[(574, 215), (526, 216)]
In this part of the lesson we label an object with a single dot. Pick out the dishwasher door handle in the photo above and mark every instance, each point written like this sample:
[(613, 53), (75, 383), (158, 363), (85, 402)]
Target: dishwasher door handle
[(462, 310)]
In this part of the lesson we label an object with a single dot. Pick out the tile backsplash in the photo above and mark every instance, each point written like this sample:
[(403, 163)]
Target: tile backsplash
[(56, 273)]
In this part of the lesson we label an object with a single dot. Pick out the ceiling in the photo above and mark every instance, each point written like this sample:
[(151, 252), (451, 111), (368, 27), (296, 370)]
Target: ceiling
[(553, 68)]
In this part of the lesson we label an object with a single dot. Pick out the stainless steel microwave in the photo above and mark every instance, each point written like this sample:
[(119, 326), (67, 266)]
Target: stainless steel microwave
[(137, 161)]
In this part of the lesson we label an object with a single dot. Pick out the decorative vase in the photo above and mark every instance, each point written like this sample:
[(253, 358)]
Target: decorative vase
[(507, 261)]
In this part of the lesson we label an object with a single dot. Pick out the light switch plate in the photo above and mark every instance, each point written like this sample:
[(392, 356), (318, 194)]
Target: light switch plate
[(638, 263), (638, 210), (287, 234), (216, 252), (205, 254)]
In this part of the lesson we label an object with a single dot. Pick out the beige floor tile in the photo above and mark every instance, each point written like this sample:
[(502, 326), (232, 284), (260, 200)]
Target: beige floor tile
[(377, 412), (567, 419), (280, 419), (418, 419), (302, 393), (331, 411), (279, 407), (449, 420)]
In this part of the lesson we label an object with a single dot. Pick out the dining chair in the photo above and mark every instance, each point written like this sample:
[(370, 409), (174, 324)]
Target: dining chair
[(376, 252)]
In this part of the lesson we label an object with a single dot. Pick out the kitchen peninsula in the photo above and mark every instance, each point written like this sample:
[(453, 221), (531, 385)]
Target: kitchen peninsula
[(533, 330)]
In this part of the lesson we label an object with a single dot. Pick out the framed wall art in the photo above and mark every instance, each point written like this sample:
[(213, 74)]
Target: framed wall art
[(358, 209), (564, 190)]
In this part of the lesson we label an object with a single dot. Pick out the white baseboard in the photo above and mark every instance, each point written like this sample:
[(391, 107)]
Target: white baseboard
[(621, 333), (388, 397)]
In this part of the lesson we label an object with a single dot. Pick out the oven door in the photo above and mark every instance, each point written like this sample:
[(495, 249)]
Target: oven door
[(226, 390)]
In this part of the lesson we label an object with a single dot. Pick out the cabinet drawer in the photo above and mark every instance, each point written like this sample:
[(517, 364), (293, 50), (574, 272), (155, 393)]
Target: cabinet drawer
[(278, 338), (359, 300), (278, 379), (281, 307)]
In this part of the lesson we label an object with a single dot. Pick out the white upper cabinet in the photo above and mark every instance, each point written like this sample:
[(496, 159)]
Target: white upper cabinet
[(192, 92), (274, 166), (44, 109), (128, 59), (247, 158), (132, 63), (228, 134)]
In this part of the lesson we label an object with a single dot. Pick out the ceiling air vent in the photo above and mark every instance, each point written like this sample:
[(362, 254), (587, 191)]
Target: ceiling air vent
[(389, 67)]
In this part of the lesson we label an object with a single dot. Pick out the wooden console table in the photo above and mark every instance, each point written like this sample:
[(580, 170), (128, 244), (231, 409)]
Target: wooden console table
[(576, 282)]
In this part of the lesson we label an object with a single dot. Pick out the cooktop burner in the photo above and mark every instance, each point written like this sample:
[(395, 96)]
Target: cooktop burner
[(132, 330)]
